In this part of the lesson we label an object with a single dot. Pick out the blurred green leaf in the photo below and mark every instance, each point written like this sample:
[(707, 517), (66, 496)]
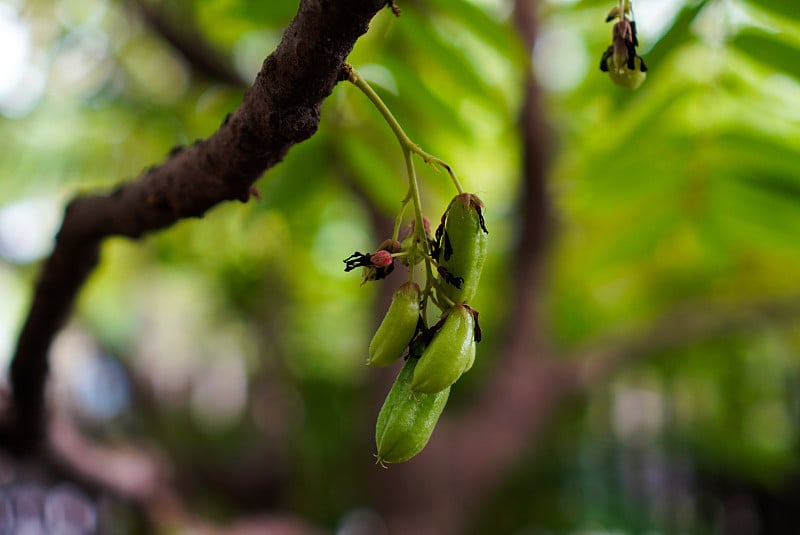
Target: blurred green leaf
[(788, 8), (780, 56), (678, 34)]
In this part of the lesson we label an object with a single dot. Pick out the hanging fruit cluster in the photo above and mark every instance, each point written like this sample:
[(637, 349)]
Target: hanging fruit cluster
[(438, 355), (438, 345), (620, 60)]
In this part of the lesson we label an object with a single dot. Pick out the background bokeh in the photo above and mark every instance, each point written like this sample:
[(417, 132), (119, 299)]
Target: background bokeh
[(235, 345)]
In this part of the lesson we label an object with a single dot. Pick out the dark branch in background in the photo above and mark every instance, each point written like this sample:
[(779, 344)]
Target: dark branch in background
[(189, 42), (142, 478), (282, 108)]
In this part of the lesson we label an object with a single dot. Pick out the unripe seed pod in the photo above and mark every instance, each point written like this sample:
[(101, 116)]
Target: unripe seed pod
[(461, 248), (449, 353), (407, 419), (398, 326)]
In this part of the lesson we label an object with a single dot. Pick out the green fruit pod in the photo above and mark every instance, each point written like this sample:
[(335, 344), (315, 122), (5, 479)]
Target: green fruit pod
[(461, 248), (449, 354), (470, 358), (625, 77), (407, 419), (397, 328)]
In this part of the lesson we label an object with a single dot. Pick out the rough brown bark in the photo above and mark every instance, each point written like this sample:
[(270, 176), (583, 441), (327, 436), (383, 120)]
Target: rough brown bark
[(281, 108)]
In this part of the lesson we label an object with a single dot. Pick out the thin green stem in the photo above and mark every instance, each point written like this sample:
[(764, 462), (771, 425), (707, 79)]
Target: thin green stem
[(405, 142), (434, 161), (416, 201), (438, 302), (398, 221), (359, 82), (410, 148), (419, 223)]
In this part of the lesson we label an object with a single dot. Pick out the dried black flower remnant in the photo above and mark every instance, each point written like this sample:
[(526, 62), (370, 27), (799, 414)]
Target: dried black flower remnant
[(377, 265)]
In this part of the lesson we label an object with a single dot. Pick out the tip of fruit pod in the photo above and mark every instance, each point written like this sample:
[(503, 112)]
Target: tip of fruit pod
[(409, 287), (629, 79), (477, 335), (468, 199)]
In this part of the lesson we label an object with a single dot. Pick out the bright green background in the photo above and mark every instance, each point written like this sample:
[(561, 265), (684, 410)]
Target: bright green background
[(248, 337)]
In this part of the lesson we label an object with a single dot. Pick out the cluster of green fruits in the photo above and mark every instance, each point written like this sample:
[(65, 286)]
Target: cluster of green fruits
[(436, 356)]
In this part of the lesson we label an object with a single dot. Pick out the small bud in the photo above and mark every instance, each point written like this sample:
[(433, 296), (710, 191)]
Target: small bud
[(377, 265), (381, 259)]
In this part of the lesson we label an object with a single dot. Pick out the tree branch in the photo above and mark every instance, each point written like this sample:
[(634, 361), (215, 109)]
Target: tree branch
[(143, 478), (281, 108)]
